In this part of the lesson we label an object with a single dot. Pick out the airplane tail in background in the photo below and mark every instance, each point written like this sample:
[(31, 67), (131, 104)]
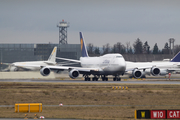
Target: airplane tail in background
[(52, 57), (176, 58), (84, 52)]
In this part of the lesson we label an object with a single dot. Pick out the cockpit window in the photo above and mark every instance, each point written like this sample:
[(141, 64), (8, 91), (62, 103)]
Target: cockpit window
[(118, 56)]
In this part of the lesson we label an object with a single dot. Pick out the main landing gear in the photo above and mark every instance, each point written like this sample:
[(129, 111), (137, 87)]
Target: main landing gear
[(104, 78), (87, 78), (116, 78), (95, 78)]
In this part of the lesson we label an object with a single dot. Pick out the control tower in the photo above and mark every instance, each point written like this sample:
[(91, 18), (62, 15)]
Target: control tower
[(171, 41), (63, 32)]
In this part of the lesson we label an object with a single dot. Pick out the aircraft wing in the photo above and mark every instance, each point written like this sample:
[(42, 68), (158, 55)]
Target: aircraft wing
[(144, 66), (139, 68), (27, 67), (59, 64), (68, 59), (81, 70), (23, 68)]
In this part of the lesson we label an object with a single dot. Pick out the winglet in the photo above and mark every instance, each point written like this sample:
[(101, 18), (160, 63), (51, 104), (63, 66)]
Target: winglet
[(83, 46), (176, 58), (52, 57)]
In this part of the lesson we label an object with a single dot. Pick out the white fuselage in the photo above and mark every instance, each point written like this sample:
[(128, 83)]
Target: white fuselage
[(30, 65), (109, 63)]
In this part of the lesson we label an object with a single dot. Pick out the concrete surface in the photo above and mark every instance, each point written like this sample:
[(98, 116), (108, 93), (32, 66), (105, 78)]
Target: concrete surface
[(167, 82), (25, 75), (65, 76)]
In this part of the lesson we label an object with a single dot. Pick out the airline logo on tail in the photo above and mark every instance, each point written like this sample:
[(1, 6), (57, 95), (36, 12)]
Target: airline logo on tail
[(176, 58), (52, 57), (53, 51), (83, 47)]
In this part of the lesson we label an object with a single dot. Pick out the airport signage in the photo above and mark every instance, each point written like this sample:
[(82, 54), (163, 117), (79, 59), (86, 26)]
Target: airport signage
[(142, 114), (173, 114), (158, 114)]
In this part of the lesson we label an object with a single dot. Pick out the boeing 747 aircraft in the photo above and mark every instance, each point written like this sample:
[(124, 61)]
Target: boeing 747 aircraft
[(112, 64), (109, 64), (33, 65)]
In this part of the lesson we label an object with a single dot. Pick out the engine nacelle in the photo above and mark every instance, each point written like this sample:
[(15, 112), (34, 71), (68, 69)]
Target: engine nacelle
[(155, 71), (138, 73), (45, 71), (13, 68), (73, 73), (163, 72)]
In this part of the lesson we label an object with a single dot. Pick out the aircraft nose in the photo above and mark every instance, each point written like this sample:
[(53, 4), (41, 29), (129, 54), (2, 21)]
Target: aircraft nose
[(123, 65)]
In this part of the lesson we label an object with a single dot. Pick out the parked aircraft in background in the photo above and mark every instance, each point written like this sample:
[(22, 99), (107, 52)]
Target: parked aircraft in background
[(33, 65), (109, 64), (140, 69)]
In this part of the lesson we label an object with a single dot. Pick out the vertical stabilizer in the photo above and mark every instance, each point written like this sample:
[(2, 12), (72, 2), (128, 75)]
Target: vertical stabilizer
[(176, 58), (84, 52), (52, 57)]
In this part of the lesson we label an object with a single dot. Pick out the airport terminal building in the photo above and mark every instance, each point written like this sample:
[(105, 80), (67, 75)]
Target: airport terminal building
[(10, 53)]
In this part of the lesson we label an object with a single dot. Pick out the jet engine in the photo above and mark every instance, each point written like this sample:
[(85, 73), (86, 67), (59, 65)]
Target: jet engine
[(138, 73), (163, 72), (73, 73), (155, 71), (13, 68), (45, 71)]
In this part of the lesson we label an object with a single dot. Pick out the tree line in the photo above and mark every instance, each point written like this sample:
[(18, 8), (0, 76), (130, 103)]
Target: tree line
[(138, 47)]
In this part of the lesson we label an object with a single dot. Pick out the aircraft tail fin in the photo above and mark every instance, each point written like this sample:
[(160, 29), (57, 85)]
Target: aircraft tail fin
[(52, 57), (176, 58), (84, 52)]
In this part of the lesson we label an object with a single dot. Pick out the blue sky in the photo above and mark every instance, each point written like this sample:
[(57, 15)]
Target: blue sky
[(101, 21)]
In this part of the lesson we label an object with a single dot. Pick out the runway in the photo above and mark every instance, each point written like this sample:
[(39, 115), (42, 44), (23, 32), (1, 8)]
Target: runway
[(167, 82)]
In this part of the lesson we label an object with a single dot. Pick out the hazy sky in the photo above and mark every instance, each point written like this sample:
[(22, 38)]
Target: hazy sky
[(101, 21)]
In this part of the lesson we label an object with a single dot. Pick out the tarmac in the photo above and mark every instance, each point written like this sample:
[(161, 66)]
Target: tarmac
[(157, 82), (64, 76)]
